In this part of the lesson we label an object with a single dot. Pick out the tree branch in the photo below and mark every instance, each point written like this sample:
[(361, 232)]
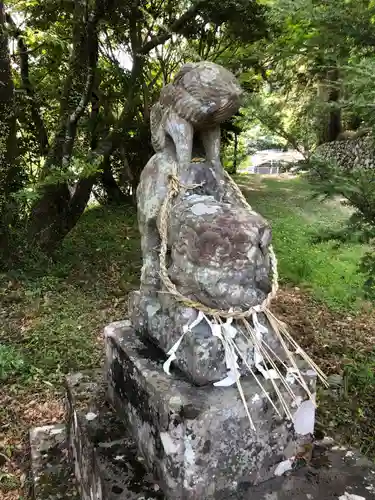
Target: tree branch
[(113, 138), (36, 115), (30, 51), (282, 133), (76, 114), (175, 27)]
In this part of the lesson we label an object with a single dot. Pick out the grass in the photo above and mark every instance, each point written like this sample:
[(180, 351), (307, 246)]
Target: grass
[(53, 312), (56, 309), (329, 272), (52, 316)]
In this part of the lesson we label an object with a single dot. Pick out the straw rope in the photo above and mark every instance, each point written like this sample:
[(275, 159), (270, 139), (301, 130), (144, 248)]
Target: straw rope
[(174, 188), (250, 333)]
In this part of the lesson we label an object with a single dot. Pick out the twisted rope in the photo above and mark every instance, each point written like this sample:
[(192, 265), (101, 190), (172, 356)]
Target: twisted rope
[(174, 188)]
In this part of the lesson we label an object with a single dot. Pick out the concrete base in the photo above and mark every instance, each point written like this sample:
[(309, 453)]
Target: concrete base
[(110, 459), (197, 441), (105, 459), (51, 470)]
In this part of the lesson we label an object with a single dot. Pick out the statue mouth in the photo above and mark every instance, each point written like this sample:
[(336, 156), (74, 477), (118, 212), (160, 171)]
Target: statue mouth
[(227, 109), (221, 111)]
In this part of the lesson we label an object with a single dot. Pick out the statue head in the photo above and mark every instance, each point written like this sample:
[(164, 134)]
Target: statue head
[(203, 93)]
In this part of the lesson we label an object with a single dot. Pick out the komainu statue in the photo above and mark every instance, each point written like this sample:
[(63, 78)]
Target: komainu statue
[(208, 267)]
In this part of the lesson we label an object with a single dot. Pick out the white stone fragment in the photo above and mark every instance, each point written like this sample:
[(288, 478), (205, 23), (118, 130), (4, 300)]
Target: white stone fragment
[(189, 454), (54, 431), (51, 430), (304, 418), (91, 416), (350, 496), (284, 466), (168, 443)]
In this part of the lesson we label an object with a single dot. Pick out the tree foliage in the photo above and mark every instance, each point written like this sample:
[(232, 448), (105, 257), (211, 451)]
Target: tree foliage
[(319, 70), (79, 84), (79, 79)]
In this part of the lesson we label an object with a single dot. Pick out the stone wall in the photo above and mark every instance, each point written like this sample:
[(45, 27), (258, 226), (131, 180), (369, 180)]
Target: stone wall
[(351, 153)]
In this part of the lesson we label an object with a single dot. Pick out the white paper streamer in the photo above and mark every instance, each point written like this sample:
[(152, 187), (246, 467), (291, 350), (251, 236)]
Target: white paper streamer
[(259, 329), (226, 334), (172, 351)]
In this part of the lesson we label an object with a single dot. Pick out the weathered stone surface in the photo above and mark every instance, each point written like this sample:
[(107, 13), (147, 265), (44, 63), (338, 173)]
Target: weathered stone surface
[(201, 96), (218, 247), (209, 229), (218, 252), (106, 462), (197, 441), (218, 257), (201, 355), (51, 470), (334, 473)]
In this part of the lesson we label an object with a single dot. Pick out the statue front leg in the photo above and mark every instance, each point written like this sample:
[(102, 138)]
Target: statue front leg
[(150, 244), (182, 133), (211, 138)]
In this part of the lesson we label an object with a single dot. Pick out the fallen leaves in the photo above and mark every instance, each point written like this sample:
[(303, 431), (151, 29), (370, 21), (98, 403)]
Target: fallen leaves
[(19, 413), (329, 337)]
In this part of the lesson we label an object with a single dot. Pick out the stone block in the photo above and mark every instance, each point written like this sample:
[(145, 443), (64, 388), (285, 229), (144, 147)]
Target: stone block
[(51, 471), (106, 463), (196, 440), (164, 325), (333, 473), (201, 355)]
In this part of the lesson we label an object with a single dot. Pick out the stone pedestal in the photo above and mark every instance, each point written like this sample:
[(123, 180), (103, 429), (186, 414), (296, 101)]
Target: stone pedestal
[(197, 441), (201, 355), (108, 466), (104, 455)]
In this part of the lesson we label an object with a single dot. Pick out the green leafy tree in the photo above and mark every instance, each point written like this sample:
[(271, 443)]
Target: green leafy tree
[(86, 74), (8, 144)]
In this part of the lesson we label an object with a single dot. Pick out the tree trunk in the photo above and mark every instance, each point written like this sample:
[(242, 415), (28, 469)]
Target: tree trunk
[(41, 133), (235, 153), (8, 140), (354, 122), (329, 126), (49, 219), (110, 186)]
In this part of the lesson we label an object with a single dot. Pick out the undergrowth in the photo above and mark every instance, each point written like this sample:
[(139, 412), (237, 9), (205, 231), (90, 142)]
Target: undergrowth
[(53, 311), (330, 273)]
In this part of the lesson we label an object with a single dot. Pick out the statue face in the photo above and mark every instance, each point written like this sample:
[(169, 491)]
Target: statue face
[(205, 94), (220, 251)]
